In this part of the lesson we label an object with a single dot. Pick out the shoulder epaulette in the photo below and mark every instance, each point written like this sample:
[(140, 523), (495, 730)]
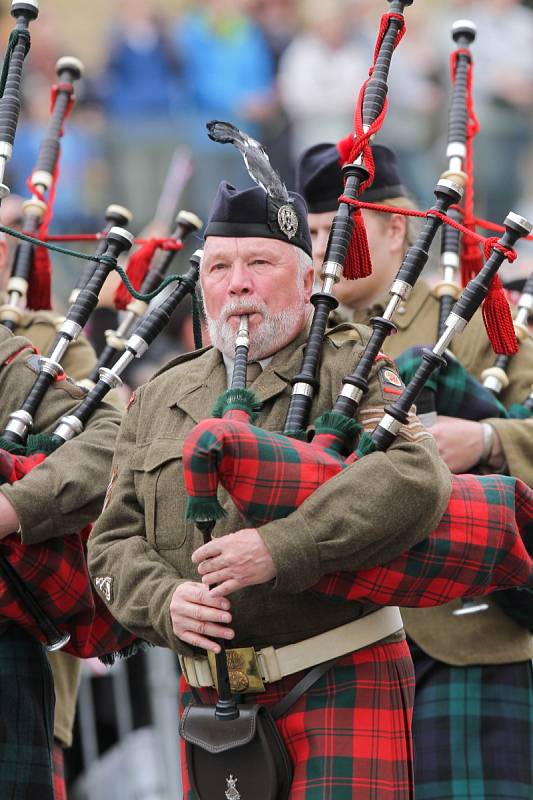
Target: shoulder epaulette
[(182, 359), (347, 332)]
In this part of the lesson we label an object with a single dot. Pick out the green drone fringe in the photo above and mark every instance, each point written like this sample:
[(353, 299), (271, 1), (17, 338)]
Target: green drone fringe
[(204, 509), (237, 400), (366, 445), (338, 425)]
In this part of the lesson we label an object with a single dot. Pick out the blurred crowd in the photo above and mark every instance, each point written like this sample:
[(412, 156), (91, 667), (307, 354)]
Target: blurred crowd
[(288, 72)]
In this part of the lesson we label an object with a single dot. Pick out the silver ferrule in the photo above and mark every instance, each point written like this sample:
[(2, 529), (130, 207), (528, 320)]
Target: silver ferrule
[(50, 366), (518, 219), (124, 327), (68, 427), (6, 151), (392, 305), (137, 345), (70, 329), (449, 274), (390, 424), (59, 350), (243, 338), (526, 304), (303, 388), (522, 315), (121, 363), (19, 423), (493, 383), (110, 377), (471, 606), (351, 392), (400, 288), (454, 325), (449, 260), (331, 269), (456, 150)]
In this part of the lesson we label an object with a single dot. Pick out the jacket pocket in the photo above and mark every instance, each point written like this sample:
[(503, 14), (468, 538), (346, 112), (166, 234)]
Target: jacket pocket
[(158, 476)]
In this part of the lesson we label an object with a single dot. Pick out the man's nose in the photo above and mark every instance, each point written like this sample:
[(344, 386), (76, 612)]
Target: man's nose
[(240, 282)]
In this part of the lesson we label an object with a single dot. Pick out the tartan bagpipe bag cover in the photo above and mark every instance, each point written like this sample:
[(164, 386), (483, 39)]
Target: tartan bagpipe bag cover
[(483, 542), (56, 573)]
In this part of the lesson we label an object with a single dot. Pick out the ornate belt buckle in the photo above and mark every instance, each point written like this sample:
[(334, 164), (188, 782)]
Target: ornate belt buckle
[(243, 669)]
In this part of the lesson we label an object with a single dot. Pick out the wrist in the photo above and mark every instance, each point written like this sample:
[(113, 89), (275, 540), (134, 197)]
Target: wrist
[(492, 455)]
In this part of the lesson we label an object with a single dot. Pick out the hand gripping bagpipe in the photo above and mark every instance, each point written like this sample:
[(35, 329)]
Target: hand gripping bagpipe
[(288, 470), (61, 608), (31, 266)]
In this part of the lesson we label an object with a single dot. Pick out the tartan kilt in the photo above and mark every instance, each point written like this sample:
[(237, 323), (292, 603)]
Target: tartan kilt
[(58, 772), (473, 730), (26, 718), (349, 736)]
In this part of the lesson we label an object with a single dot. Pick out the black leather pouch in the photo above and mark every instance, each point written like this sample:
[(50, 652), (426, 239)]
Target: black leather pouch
[(238, 759)]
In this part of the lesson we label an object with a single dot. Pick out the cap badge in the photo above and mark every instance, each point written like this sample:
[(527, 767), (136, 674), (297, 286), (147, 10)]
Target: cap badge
[(288, 221)]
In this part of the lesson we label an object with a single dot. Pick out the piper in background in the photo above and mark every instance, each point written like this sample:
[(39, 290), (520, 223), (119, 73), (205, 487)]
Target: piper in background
[(483, 658)]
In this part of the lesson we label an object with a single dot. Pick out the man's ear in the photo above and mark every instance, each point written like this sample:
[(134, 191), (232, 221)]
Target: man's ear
[(309, 279), (397, 231)]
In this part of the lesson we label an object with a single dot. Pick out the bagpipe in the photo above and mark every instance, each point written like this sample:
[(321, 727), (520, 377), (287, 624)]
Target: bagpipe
[(485, 516), (45, 588)]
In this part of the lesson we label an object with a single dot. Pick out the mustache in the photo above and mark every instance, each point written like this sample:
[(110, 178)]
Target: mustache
[(242, 307)]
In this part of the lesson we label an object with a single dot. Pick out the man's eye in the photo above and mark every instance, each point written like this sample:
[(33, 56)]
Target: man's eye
[(218, 267), (259, 262)]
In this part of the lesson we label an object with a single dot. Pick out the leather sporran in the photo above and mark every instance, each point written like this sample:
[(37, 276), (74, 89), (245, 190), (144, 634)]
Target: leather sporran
[(241, 759)]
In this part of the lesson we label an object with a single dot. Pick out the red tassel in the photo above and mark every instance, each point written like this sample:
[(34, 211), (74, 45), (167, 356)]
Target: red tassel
[(40, 282), (138, 266), (344, 146), (498, 320), (471, 259), (358, 263)]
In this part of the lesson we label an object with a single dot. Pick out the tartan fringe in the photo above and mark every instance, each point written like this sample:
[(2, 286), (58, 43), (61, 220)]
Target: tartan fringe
[(204, 509), (127, 652), (338, 425), (366, 445), (237, 400)]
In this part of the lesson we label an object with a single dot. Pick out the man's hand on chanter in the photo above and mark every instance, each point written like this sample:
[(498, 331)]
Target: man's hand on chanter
[(234, 561), (196, 615)]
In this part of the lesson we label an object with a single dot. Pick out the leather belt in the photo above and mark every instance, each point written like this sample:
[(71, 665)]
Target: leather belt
[(250, 669)]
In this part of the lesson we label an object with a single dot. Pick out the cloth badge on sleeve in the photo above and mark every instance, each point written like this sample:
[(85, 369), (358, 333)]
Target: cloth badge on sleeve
[(104, 585), (391, 383)]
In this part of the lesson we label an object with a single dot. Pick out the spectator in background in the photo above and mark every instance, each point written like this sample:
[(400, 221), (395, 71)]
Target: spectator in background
[(140, 90), (228, 74), (320, 73)]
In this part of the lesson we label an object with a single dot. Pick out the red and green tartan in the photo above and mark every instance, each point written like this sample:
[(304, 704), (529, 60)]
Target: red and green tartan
[(56, 573), (480, 545), (349, 736), (58, 772)]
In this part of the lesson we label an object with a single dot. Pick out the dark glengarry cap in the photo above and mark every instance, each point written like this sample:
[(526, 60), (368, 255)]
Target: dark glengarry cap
[(320, 180), (252, 212)]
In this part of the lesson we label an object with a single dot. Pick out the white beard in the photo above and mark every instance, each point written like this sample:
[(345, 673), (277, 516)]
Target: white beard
[(270, 335)]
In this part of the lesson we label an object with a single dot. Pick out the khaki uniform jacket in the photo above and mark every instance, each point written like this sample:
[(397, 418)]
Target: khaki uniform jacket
[(143, 545), (40, 328), (488, 637)]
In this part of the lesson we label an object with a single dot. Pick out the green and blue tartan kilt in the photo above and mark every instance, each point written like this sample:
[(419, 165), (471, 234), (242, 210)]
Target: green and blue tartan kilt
[(26, 718), (349, 736), (473, 730)]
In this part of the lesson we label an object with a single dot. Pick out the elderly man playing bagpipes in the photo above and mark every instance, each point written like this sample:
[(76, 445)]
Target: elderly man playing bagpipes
[(332, 669)]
